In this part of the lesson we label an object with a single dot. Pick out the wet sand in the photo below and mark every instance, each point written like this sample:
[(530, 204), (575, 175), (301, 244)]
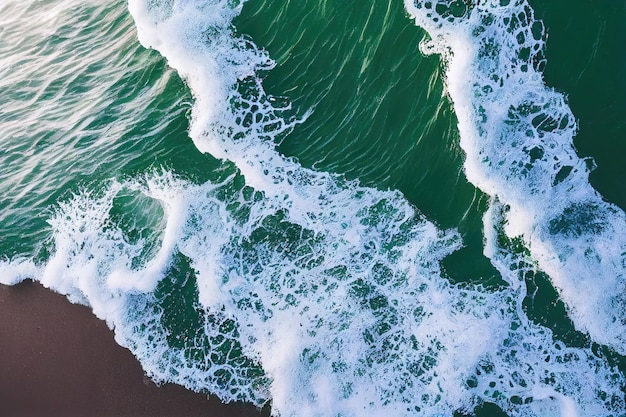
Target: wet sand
[(58, 359)]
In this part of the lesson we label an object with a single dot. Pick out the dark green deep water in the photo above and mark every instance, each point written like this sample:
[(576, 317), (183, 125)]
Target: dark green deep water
[(585, 61), (379, 114)]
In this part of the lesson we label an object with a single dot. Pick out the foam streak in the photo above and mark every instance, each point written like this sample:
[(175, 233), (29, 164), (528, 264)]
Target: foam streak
[(518, 137)]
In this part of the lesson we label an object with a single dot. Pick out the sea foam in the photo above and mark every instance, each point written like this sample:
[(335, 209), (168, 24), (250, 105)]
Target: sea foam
[(518, 137), (279, 283)]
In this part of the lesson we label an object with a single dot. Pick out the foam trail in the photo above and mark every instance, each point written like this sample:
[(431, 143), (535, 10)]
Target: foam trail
[(276, 282), (518, 137)]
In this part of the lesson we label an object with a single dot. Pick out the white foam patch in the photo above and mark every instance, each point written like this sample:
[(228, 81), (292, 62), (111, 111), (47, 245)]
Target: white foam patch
[(284, 284), (17, 270), (314, 322), (518, 137)]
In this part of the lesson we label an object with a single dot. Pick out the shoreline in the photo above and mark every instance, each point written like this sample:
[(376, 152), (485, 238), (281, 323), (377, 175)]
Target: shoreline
[(58, 359)]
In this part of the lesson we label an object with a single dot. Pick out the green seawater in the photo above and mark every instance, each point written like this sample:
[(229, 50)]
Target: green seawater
[(586, 61), (77, 111)]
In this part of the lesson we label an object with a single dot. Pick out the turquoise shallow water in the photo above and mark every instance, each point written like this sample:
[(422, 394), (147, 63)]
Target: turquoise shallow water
[(284, 202)]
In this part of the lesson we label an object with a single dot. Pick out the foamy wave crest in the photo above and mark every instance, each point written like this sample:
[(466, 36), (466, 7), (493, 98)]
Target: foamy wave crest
[(278, 283), (518, 136), (216, 287)]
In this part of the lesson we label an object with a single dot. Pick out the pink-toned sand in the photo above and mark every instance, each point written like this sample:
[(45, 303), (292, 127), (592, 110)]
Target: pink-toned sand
[(58, 359)]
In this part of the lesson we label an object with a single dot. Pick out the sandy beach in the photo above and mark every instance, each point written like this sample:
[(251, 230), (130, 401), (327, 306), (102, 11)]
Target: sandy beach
[(58, 359)]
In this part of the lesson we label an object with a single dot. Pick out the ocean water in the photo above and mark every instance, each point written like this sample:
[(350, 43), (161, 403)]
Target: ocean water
[(335, 208)]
